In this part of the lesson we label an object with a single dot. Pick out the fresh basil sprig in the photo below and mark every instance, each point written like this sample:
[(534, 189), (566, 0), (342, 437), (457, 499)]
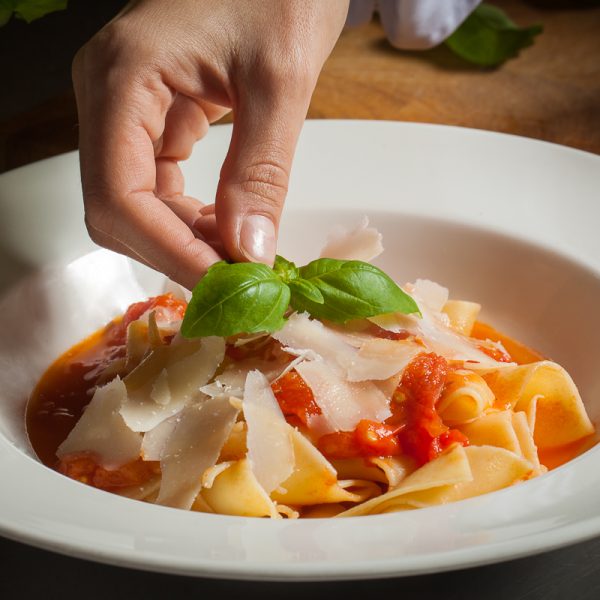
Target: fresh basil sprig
[(252, 297), (488, 37), (236, 298)]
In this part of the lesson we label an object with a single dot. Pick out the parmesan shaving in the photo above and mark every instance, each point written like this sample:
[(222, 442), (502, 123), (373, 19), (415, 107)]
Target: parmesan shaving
[(187, 365), (270, 450), (359, 243), (343, 404), (381, 359), (304, 334), (161, 394), (193, 447), (102, 431), (430, 293), (156, 439)]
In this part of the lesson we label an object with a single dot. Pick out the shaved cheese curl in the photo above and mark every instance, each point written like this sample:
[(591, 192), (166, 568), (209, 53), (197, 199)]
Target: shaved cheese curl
[(168, 379), (102, 431), (193, 447), (270, 450), (359, 243), (380, 359), (304, 334), (343, 404)]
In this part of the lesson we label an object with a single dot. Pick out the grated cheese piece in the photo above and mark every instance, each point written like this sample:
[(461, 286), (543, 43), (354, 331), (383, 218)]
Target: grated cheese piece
[(358, 243), (102, 431), (193, 447), (343, 404), (270, 449), (380, 359), (189, 364)]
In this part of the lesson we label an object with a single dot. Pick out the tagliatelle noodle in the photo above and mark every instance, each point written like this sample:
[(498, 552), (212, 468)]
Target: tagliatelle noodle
[(391, 470), (465, 397), (526, 442), (493, 429), (489, 469), (449, 469), (358, 468), (313, 480), (236, 491), (560, 416), (462, 315)]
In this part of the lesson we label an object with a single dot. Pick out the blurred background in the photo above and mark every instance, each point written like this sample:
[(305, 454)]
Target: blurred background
[(551, 91)]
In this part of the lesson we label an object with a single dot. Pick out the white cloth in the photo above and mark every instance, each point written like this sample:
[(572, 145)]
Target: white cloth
[(413, 24)]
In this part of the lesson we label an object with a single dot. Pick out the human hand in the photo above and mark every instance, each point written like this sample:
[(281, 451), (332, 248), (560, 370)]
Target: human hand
[(149, 84)]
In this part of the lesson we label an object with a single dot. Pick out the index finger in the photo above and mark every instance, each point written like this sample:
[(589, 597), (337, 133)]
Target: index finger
[(118, 170)]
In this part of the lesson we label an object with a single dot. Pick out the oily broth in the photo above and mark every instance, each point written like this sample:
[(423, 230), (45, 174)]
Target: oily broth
[(65, 389)]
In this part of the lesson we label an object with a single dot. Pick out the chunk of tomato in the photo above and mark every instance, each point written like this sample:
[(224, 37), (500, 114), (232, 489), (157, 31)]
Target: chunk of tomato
[(295, 398)]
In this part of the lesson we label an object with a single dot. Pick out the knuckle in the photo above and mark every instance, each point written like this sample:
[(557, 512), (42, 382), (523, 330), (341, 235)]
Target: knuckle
[(115, 46), (266, 180), (289, 72)]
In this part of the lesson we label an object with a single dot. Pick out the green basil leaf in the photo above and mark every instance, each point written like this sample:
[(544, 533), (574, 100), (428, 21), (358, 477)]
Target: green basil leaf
[(306, 289), (29, 10), (351, 289), (286, 269), (236, 298), (488, 37)]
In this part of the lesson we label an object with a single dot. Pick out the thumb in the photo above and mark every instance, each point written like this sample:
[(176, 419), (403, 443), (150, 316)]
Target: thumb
[(255, 175)]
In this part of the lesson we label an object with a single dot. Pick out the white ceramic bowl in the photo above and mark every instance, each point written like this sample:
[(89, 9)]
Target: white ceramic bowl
[(506, 221)]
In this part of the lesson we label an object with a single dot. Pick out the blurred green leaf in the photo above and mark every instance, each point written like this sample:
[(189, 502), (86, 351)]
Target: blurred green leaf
[(489, 38), (29, 10)]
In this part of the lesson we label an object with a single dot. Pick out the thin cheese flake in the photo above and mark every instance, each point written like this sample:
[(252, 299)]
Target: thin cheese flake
[(270, 449), (343, 404), (168, 379), (358, 243), (192, 447), (101, 430)]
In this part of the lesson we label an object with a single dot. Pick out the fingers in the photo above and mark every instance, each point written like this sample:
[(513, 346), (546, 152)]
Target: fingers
[(255, 176), (117, 134), (186, 122)]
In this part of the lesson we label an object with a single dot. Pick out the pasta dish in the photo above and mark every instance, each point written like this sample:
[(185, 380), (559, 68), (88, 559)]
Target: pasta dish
[(316, 419)]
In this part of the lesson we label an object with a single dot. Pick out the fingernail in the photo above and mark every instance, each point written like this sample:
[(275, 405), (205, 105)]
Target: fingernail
[(257, 239)]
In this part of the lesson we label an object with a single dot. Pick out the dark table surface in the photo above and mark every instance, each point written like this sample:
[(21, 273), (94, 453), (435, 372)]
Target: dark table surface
[(571, 573), (552, 91)]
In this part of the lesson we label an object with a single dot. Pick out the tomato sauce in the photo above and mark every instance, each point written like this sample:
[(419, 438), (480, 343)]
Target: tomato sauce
[(66, 388), (415, 429), (519, 352), (295, 398)]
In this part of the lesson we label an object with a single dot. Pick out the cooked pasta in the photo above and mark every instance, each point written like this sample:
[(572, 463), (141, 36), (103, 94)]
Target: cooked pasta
[(316, 420)]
